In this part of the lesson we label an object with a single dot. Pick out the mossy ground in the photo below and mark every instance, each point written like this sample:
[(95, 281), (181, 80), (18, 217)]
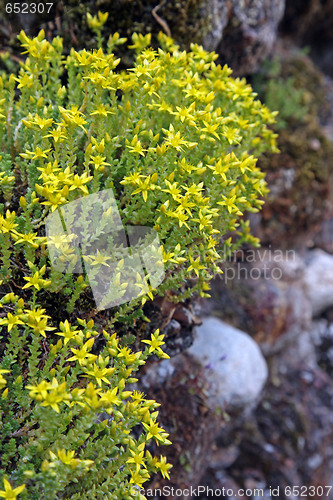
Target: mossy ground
[(300, 176)]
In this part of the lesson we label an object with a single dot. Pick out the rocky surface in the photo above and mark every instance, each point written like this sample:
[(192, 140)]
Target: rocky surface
[(322, 339), (288, 440), (300, 176), (310, 24), (323, 238), (276, 306), (267, 297), (283, 438), (186, 414), (242, 32), (233, 365), (310, 21), (318, 280), (223, 371)]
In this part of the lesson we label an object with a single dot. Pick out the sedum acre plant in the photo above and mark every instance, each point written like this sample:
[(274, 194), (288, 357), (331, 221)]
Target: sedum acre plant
[(176, 138)]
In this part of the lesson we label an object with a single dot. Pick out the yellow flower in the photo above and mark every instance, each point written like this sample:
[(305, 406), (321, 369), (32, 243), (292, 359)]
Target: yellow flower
[(163, 467), (136, 146), (204, 218), (25, 80), (195, 265), (185, 114), (6, 179), (68, 458), (79, 182), (49, 394), (42, 123), (36, 281), (220, 170), (98, 259), (35, 155), (137, 457), (137, 396), (100, 373), (140, 41), (143, 69), (96, 78), (155, 343), (102, 110), (162, 106), (145, 186), (109, 399), (37, 320), (180, 215), (38, 391), (138, 478), (56, 134), (173, 189), (81, 355), (84, 58), (156, 432), (11, 321), (7, 225), (3, 381), (59, 241), (96, 22), (229, 202), (175, 140), (55, 199), (9, 493), (231, 134), (72, 117), (67, 331), (30, 238), (210, 129), (98, 162)]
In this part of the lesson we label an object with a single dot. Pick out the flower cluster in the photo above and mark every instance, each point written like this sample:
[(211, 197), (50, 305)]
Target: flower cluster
[(176, 138), (74, 387), (179, 147)]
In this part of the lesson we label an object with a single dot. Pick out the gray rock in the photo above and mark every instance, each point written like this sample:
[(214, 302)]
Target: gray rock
[(243, 33), (318, 279), (324, 237), (235, 368), (319, 330), (217, 12), (159, 373)]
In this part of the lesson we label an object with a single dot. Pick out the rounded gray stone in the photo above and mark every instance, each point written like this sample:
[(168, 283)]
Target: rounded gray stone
[(318, 279), (235, 369)]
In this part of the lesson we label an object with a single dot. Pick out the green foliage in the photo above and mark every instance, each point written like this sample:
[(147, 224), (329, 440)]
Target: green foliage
[(176, 138), (281, 93), (65, 413)]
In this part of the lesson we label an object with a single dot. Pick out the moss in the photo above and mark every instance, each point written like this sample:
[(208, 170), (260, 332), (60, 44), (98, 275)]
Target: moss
[(183, 18), (303, 198), (299, 177)]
